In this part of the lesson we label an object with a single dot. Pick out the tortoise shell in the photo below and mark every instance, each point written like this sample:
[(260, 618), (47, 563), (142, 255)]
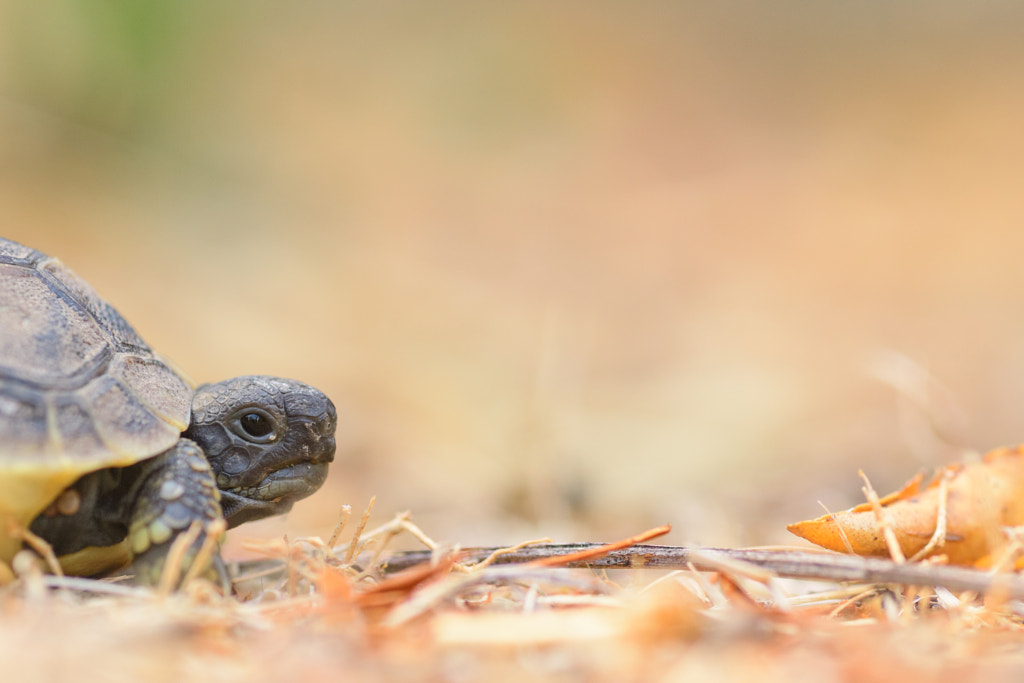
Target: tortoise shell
[(79, 389)]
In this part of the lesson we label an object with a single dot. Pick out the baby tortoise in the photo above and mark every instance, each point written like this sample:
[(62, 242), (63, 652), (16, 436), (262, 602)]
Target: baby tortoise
[(108, 453)]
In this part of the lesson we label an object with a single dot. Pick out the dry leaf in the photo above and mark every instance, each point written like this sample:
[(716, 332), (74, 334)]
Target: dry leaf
[(983, 497)]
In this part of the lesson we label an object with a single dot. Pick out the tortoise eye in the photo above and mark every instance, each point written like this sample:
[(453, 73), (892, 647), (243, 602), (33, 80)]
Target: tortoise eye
[(257, 425)]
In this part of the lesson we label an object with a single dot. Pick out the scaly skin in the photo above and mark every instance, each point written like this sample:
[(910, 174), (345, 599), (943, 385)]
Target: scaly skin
[(264, 475), (262, 465), (133, 512), (177, 490)]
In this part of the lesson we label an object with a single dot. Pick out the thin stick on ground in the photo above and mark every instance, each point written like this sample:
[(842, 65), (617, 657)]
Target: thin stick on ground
[(795, 564)]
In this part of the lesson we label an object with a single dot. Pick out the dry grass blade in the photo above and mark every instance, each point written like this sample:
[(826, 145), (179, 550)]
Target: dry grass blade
[(598, 551), (37, 544), (343, 517), (1011, 551), (354, 545), (711, 561), (493, 557), (176, 557), (434, 594), (939, 537), (398, 586), (883, 520), (214, 532), (839, 527)]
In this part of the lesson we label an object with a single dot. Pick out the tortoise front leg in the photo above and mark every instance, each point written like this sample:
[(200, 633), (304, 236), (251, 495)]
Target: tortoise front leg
[(172, 491)]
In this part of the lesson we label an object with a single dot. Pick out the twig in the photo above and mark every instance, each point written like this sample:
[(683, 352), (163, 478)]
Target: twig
[(821, 566)]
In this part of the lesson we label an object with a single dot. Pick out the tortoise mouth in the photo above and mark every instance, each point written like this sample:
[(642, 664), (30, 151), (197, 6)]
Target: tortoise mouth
[(274, 495)]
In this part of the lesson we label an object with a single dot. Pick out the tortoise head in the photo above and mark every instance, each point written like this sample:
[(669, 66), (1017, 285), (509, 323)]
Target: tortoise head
[(269, 441)]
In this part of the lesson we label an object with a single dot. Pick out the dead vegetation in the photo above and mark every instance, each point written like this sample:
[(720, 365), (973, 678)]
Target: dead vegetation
[(322, 610)]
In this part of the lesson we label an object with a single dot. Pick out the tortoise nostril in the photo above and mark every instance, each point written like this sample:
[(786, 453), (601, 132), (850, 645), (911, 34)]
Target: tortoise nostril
[(321, 440), (327, 448)]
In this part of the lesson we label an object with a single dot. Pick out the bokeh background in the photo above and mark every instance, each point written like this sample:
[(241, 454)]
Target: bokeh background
[(567, 269)]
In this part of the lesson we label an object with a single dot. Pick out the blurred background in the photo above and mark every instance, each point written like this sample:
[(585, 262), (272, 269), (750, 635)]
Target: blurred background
[(567, 270)]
